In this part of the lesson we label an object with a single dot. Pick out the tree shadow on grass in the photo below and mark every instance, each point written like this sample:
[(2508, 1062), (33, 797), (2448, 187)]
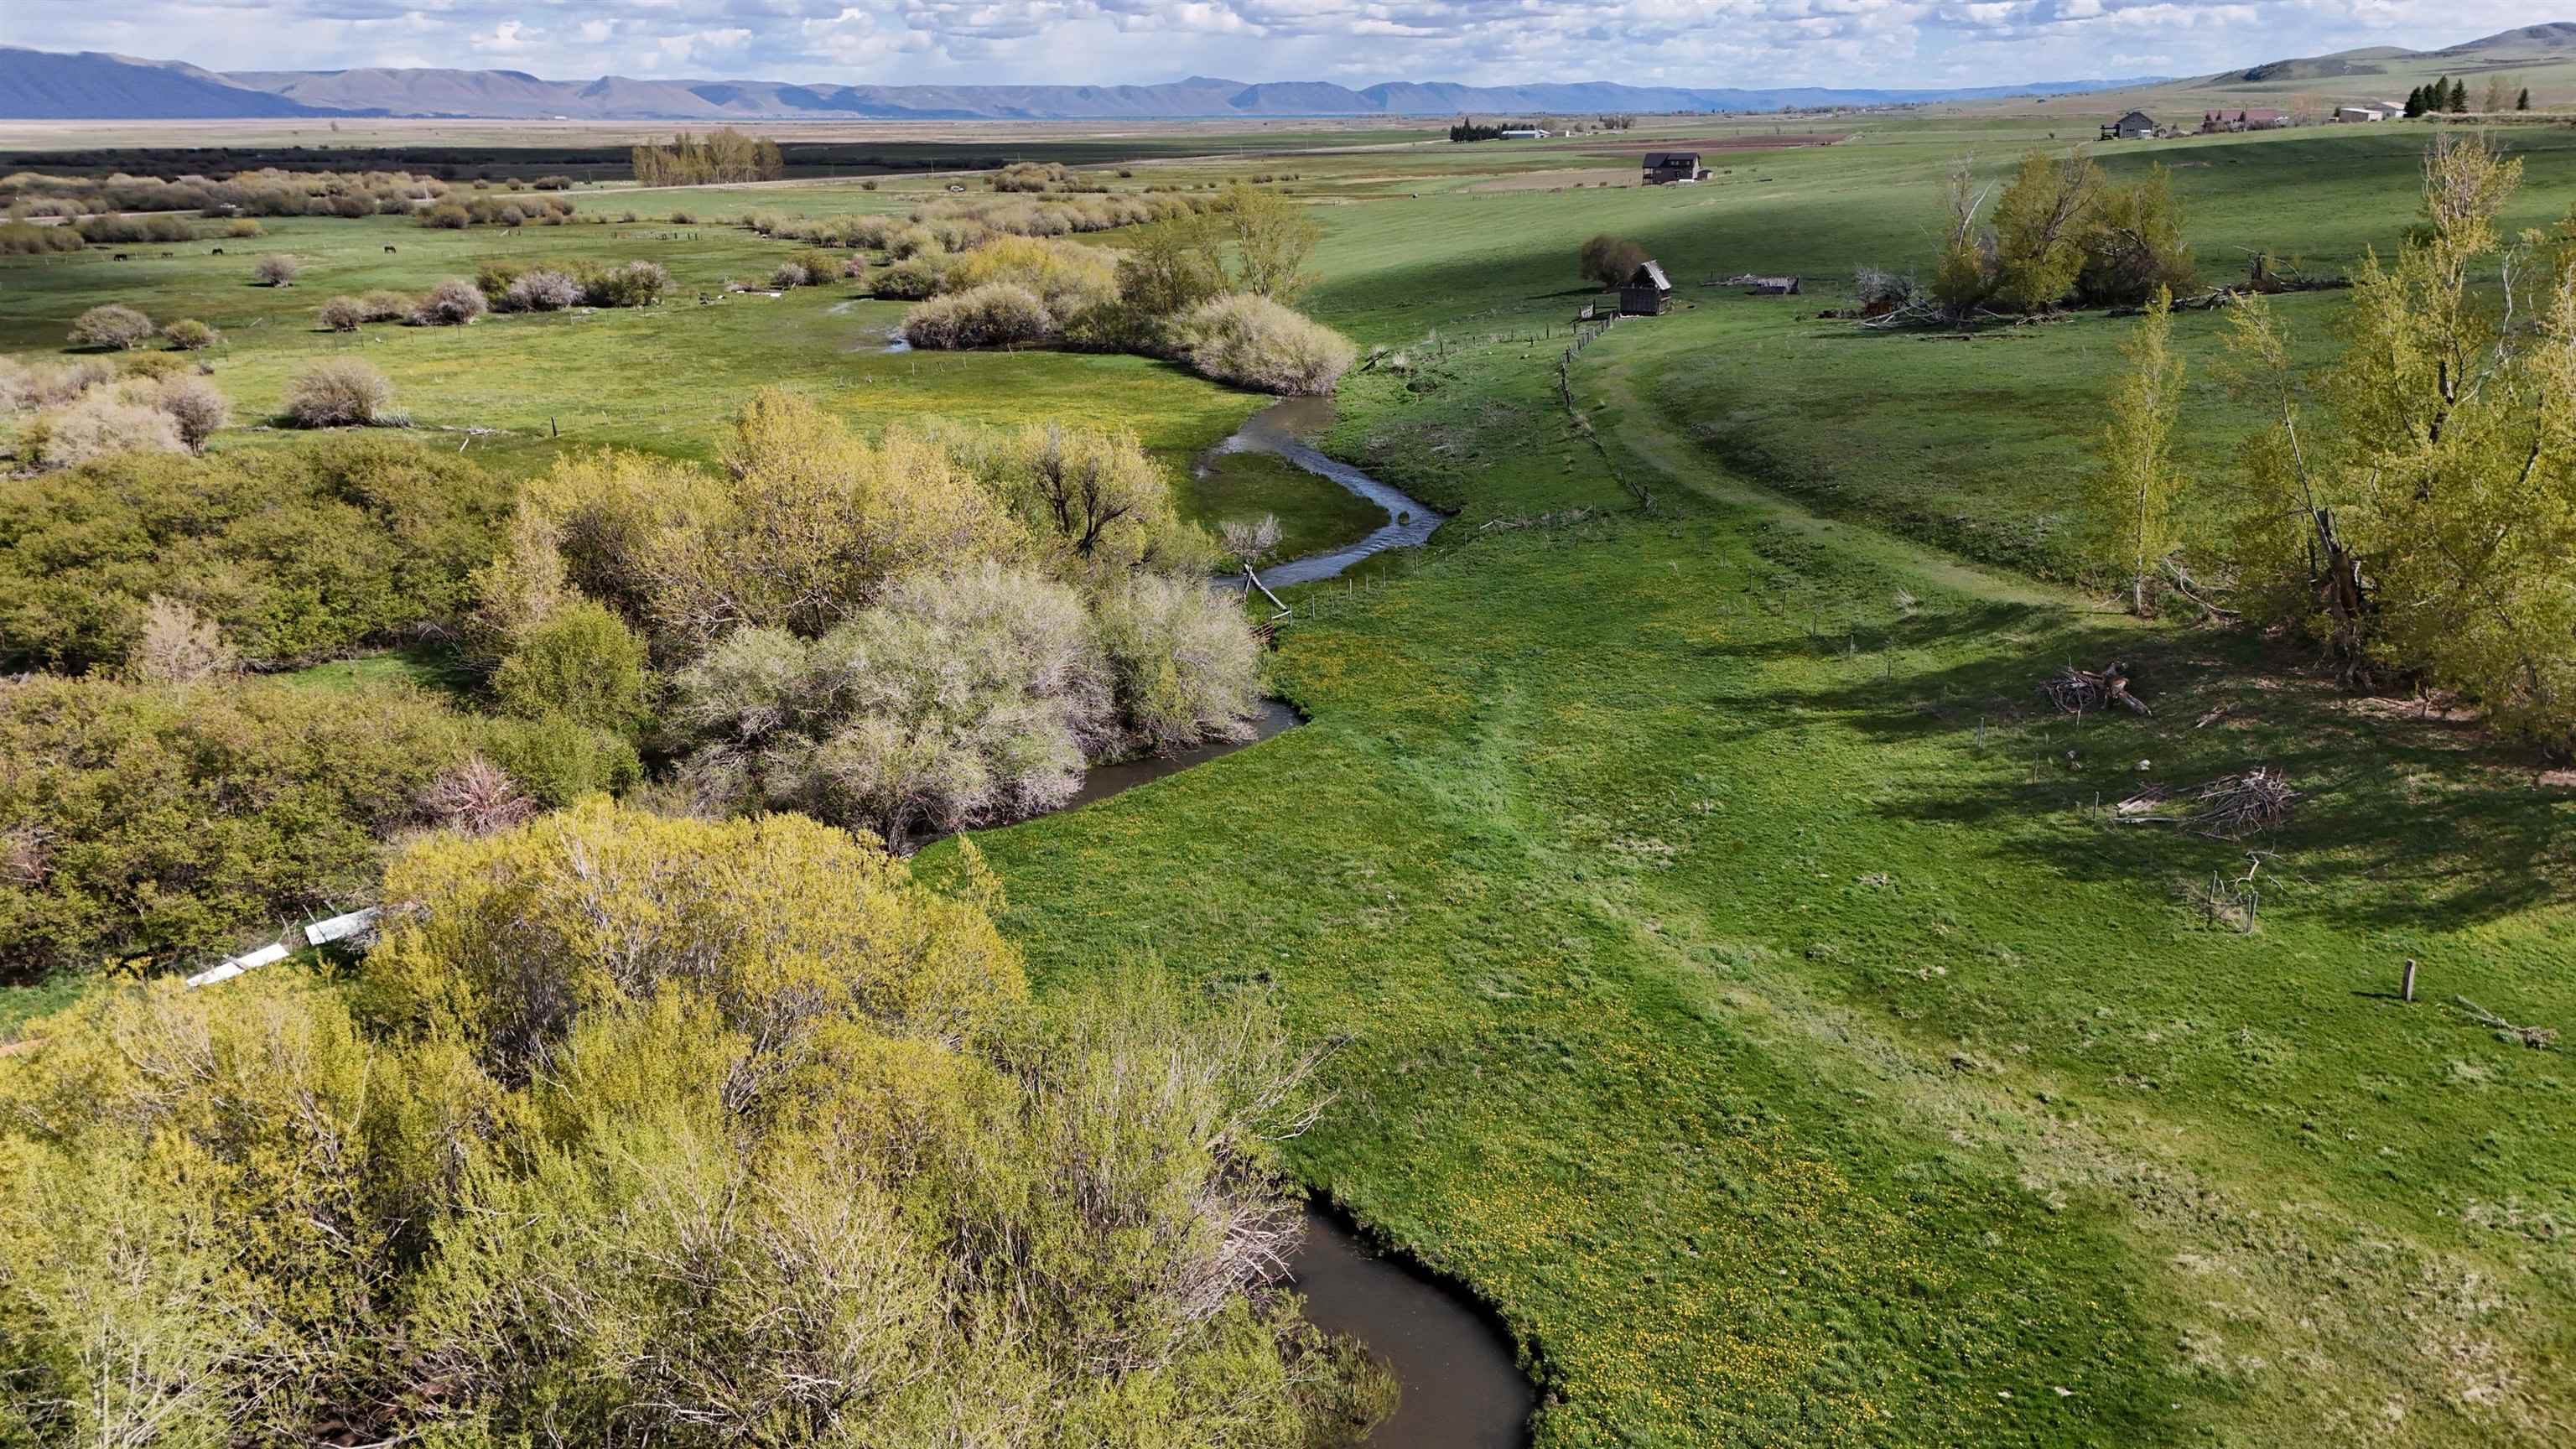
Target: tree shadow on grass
[(2404, 823)]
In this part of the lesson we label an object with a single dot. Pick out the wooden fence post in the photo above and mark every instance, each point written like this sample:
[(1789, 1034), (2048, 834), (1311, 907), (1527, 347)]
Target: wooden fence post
[(2409, 985)]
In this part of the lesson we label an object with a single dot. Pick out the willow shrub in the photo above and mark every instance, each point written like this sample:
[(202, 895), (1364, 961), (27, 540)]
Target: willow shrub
[(1184, 668), (996, 314), (796, 1127), (1254, 342), (957, 700), (297, 555)]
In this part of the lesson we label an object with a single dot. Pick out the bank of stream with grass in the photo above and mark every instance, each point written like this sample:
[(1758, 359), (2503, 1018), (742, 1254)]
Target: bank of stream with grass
[(1738, 999)]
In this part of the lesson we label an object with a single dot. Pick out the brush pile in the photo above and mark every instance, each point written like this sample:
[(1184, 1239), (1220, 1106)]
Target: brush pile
[(2230, 807), (2235, 806), (2085, 691)]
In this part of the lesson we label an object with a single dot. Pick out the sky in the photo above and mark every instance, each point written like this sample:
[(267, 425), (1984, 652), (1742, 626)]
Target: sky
[(1878, 43)]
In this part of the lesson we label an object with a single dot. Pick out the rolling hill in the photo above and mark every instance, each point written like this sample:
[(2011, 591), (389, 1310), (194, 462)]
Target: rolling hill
[(2542, 57), (93, 86)]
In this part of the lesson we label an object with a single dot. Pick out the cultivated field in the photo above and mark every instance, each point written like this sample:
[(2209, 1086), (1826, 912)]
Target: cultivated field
[(1731, 975)]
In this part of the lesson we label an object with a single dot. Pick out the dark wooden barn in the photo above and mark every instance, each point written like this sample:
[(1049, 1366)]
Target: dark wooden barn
[(1666, 166), (1646, 293)]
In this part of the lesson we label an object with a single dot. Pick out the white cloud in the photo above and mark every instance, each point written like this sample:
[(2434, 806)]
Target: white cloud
[(1678, 42)]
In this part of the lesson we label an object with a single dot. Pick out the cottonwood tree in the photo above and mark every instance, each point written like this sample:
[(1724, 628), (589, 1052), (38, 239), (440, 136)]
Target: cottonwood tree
[(2041, 225), (1096, 503), (1964, 277), (2435, 503), (2133, 492), (1273, 236), (2133, 243)]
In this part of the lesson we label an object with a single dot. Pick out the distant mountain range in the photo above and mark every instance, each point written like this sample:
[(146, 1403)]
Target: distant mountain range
[(93, 85)]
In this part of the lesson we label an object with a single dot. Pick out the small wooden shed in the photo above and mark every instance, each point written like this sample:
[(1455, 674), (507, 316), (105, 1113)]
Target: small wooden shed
[(2135, 126), (1646, 293)]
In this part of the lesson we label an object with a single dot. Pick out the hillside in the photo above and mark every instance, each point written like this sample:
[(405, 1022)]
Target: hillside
[(44, 85), (108, 87), (2542, 57)]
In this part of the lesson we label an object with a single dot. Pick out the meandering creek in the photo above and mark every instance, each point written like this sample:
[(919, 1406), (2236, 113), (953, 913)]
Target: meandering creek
[(1281, 430), (1462, 1387)]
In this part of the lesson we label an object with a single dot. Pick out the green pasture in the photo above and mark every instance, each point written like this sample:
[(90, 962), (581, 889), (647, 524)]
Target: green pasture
[(1730, 973), (519, 389)]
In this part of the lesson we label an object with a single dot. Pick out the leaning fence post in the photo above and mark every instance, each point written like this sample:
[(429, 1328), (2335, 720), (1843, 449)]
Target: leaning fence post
[(2408, 986)]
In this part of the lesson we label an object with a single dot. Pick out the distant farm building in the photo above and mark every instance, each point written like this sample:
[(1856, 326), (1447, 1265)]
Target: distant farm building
[(1668, 166), (1646, 293), (1526, 133), (2248, 120), (1773, 287), (2135, 126), (2367, 112)]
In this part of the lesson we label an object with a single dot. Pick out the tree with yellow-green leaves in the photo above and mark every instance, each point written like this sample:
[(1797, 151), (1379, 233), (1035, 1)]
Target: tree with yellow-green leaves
[(2432, 503), (2134, 490), (1272, 238), (658, 1132)]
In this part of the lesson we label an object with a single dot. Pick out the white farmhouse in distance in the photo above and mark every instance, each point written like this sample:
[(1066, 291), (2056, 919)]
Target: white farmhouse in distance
[(1526, 133)]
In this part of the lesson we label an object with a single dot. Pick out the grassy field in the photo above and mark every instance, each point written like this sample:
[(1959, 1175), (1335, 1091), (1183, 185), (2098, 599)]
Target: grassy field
[(662, 379), (1736, 990), (1734, 983)]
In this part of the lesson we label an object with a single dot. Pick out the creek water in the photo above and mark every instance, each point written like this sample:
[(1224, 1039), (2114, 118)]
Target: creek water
[(1102, 781), (1462, 1389), (1281, 430)]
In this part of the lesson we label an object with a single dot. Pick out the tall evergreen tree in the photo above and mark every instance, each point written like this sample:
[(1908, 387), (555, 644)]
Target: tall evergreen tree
[(2523, 103), (2414, 103), (2459, 97)]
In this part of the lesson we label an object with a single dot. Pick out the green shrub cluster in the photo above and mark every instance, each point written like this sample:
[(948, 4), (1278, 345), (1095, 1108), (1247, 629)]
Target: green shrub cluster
[(520, 210), (114, 230), (28, 239), (297, 555), (163, 821), (746, 1093), (937, 629), (265, 192), (525, 287)]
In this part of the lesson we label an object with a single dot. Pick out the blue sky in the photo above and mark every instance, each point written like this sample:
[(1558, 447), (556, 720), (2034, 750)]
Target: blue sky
[(1680, 42)]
